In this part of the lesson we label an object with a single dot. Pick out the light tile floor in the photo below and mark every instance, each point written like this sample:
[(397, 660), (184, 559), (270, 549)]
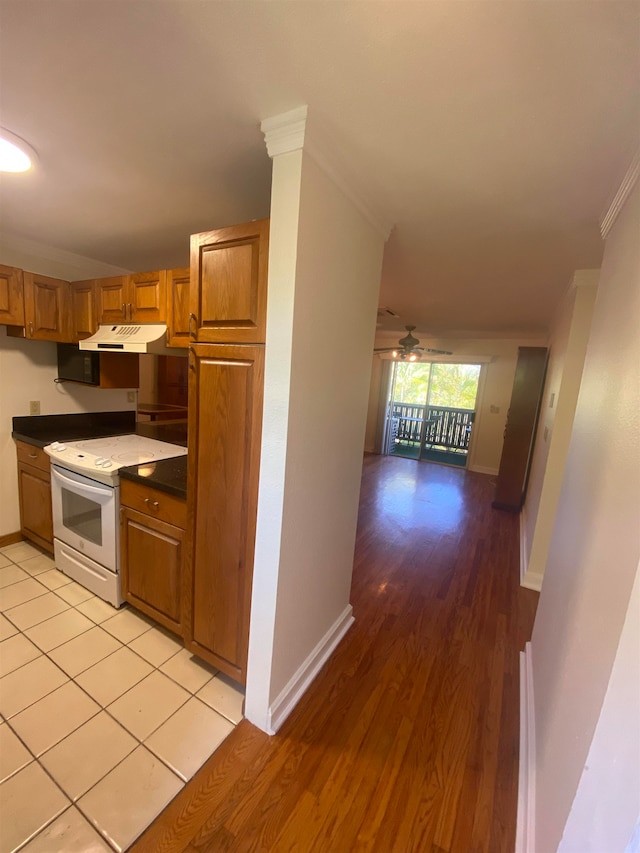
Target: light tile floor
[(103, 715)]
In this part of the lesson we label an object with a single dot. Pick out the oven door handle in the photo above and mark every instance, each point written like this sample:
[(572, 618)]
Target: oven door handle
[(82, 487)]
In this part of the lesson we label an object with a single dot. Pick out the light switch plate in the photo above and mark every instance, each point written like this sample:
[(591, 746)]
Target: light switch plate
[(34, 407)]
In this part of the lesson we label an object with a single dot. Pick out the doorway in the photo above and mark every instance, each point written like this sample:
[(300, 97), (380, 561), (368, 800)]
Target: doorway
[(431, 410)]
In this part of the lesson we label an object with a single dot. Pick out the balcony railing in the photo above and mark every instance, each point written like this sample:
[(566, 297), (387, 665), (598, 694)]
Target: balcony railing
[(444, 426)]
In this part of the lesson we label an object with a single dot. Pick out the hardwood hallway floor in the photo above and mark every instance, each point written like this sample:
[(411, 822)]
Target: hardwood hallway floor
[(408, 739)]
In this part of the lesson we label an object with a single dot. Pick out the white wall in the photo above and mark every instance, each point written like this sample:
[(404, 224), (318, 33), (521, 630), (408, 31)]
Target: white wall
[(567, 349), (323, 287), (28, 368), (607, 804), (593, 562), (496, 387)]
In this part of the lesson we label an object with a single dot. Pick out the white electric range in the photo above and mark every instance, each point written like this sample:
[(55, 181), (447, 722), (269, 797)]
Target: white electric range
[(85, 497)]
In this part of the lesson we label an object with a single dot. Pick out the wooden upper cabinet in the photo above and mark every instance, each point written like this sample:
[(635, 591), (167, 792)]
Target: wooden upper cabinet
[(178, 307), (83, 310), (11, 296), (46, 308), (111, 299), (137, 298), (228, 293), (147, 297)]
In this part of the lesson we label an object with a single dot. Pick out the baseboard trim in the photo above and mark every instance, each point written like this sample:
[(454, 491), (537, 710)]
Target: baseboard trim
[(533, 581), (524, 559), (525, 828), (293, 691), (481, 469), (10, 538)]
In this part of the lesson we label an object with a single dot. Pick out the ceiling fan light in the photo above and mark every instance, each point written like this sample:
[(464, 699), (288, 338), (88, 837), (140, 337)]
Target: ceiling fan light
[(413, 357), (395, 353)]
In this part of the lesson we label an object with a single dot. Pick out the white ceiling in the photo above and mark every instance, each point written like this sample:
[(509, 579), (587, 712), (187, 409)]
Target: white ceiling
[(491, 134)]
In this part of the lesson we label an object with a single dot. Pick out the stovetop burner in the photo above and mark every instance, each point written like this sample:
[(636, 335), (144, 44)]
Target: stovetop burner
[(100, 458)]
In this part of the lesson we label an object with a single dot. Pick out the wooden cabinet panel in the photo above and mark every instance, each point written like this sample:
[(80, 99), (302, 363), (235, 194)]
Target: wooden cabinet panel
[(137, 298), (34, 489), (11, 296), (147, 297), (83, 310), (228, 293), (178, 308), (46, 308), (111, 299), (151, 566), (33, 456), (226, 388), (153, 502), (519, 434)]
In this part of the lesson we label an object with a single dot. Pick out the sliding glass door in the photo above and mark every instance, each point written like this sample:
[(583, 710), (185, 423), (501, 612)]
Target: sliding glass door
[(431, 410)]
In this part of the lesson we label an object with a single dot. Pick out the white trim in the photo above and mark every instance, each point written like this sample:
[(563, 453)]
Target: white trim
[(529, 580), (532, 580), (628, 183), (482, 469), (524, 551), (293, 691), (289, 132), (525, 827), (285, 133)]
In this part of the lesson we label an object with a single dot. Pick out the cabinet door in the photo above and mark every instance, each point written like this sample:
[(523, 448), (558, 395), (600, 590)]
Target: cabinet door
[(228, 291), (36, 521), (111, 299), (147, 297), (520, 429), (11, 297), (151, 566), (178, 308), (83, 310), (46, 307), (225, 418)]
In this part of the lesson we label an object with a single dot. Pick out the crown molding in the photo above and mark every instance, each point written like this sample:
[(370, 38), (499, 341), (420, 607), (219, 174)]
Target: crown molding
[(290, 131), (624, 190), (285, 133)]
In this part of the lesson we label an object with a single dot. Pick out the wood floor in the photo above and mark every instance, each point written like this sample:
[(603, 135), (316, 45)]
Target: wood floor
[(408, 739)]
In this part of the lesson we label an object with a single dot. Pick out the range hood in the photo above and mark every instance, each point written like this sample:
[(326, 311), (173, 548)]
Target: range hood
[(131, 337)]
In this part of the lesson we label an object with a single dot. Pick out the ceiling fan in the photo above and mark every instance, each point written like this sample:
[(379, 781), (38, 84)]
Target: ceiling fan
[(408, 349)]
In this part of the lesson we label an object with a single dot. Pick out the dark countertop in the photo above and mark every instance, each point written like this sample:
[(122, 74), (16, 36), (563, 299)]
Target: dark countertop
[(168, 475), (40, 430)]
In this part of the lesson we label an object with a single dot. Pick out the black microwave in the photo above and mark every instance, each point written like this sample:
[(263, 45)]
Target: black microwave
[(75, 365)]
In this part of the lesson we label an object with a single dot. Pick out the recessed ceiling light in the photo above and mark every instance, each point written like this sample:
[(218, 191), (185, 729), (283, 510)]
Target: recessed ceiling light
[(16, 155)]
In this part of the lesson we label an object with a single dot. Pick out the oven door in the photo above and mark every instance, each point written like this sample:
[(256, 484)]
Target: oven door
[(84, 515)]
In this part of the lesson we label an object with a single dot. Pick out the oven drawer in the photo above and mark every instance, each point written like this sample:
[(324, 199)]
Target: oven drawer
[(30, 455), (153, 502)]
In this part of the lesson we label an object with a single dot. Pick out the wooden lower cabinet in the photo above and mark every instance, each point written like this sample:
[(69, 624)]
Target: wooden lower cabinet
[(225, 416), (151, 550), (34, 489)]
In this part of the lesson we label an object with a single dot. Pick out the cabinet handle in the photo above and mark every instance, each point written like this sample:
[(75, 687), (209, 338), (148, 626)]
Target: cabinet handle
[(124, 314), (149, 502), (193, 328), (33, 456), (31, 329), (130, 313)]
